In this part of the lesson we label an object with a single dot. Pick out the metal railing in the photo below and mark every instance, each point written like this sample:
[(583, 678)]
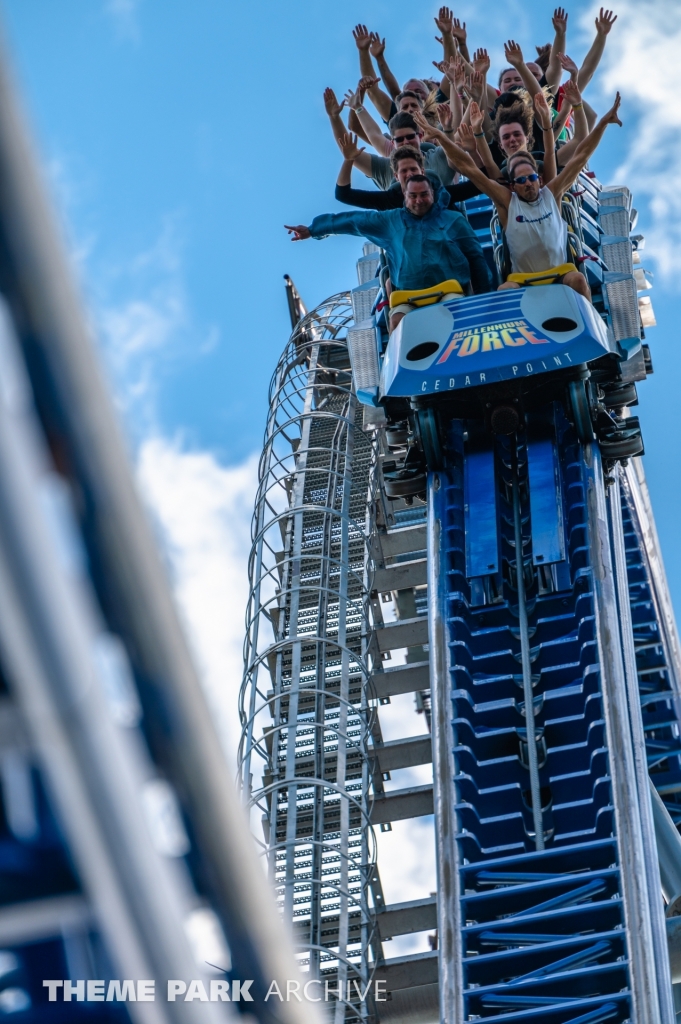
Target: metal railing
[(304, 706)]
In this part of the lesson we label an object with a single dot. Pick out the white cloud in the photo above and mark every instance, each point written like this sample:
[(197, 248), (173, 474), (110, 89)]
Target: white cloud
[(123, 13), (139, 301), (145, 324), (204, 511), (406, 866), (641, 61), (141, 325)]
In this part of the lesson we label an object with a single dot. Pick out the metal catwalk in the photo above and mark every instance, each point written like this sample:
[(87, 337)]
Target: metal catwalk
[(305, 702)]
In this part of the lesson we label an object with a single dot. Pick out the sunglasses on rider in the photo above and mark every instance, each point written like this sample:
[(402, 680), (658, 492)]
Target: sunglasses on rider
[(525, 177), (405, 138)]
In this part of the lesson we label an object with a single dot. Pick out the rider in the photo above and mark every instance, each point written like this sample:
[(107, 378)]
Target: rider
[(405, 162), (530, 211), (424, 242)]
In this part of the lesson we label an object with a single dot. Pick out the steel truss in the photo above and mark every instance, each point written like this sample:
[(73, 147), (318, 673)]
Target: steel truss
[(305, 712)]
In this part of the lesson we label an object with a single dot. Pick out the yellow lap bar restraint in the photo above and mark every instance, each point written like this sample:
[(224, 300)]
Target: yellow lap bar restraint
[(543, 276), (426, 296)]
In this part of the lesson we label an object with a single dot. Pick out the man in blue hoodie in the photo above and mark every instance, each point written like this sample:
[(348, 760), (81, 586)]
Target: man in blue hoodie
[(424, 242)]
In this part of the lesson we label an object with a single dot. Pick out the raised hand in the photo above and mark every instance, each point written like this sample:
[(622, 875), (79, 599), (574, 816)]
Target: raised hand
[(367, 83), (362, 37), (353, 99), (444, 114), (475, 85), (476, 116), (331, 104), (513, 53), (543, 52), (376, 46), (299, 232), (605, 21), (611, 116), (568, 65), (572, 93), (481, 61), (560, 19), (449, 68), (348, 146), (459, 30), (542, 111), (466, 139), (445, 21), (424, 126)]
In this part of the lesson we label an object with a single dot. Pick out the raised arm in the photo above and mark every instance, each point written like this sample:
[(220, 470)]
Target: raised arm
[(333, 109), (463, 163), (514, 56), (543, 115), (380, 99), (477, 122), (584, 152), (481, 64), (355, 126), (366, 199), (362, 37), (459, 33), (351, 151), (560, 119), (543, 56), (445, 24), (444, 116), (591, 115), (371, 129), (554, 71), (377, 51), (454, 76), (467, 141), (604, 22), (574, 98), (475, 90)]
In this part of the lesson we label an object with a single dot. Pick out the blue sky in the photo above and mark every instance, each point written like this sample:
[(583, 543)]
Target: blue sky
[(178, 138)]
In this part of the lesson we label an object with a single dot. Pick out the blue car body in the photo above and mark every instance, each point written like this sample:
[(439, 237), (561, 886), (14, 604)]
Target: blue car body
[(483, 339)]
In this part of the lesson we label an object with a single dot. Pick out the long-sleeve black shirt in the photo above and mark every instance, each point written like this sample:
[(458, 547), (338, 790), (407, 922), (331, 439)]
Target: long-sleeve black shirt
[(392, 198)]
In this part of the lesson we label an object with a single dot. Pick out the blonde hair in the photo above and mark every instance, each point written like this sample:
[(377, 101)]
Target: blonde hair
[(430, 109)]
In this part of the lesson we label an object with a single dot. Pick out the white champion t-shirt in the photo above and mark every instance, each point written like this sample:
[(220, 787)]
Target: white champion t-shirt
[(536, 234)]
